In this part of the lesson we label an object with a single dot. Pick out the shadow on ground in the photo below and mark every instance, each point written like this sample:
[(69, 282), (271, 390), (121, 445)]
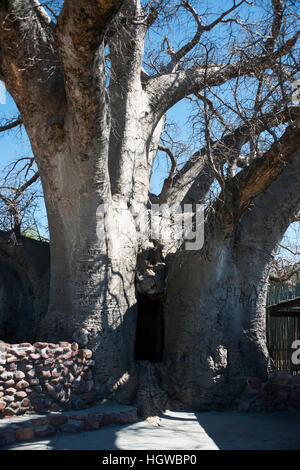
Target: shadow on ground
[(230, 430)]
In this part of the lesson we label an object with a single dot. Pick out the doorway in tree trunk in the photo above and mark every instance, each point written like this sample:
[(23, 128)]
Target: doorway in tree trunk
[(150, 330)]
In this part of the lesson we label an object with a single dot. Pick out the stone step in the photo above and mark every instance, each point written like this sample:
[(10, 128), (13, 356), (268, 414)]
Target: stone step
[(37, 426)]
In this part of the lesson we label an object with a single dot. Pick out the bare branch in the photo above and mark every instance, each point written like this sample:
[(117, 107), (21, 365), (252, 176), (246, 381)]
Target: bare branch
[(154, 10), (197, 169), (11, 125), (28, 183), (191, 44), (297, 217), (168, 180), (284, 274), (252, 181), (294, 253), (183, 51), (168, 89)]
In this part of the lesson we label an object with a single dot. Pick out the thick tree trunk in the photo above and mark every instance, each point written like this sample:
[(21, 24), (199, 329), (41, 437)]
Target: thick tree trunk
[(215, 323), (93, 260), (215, 306)]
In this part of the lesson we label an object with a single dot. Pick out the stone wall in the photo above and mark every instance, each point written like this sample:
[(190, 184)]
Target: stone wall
[(43, 377), (45, 426), (280, 392)]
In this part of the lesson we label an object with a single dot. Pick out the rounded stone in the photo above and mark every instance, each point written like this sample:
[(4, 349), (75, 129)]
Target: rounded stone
[(35, 357), (9, 412), (22, 384), (9, 383), (55, 373), (46, 374), (9, 398), (19, 375), (9, 375), (20, 354), (24, 434), (48, 361), (34, 381), (15, 404), (31, 373), (40, 345), (49, 388), (45, 431), (10, 359)]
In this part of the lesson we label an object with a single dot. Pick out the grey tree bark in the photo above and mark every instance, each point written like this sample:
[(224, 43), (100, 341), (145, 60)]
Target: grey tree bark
[(216, 301)]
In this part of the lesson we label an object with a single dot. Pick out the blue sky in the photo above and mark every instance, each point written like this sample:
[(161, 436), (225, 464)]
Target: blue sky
[(15, 144)]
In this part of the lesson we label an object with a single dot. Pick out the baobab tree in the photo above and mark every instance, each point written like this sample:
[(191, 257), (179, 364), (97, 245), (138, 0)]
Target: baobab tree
[(93, 89)]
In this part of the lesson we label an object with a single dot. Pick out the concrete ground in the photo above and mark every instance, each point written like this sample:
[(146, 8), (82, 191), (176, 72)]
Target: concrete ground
[(230, 430)]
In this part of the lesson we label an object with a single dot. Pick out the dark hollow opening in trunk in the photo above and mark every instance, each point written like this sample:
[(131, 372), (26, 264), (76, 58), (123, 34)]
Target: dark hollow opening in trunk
[(149, 330)]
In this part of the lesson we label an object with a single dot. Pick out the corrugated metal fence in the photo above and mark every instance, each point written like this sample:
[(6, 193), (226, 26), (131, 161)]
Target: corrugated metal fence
[(282, 331)]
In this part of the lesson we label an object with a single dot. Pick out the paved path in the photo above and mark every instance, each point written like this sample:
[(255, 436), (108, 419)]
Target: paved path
[(183, 430)]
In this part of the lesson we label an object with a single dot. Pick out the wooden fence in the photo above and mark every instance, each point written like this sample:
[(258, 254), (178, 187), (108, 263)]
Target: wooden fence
[(282, 331)]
